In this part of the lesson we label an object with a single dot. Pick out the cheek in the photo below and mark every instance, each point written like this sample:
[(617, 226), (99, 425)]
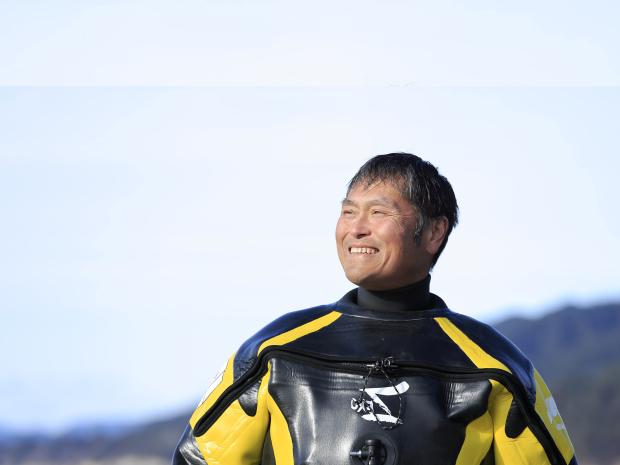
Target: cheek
[(338, 232), (398, 244), (391, 232)]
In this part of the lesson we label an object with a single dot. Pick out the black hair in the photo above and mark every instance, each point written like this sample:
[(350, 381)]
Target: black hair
[(419, 182)]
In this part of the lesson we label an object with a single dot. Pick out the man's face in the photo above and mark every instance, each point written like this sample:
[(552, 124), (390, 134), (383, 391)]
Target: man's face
[(375, 239)]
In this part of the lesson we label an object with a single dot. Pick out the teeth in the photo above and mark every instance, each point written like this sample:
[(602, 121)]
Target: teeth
[(368, 250)]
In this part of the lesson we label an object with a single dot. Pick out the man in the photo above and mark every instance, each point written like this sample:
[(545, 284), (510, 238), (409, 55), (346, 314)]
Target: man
[(388, 374)]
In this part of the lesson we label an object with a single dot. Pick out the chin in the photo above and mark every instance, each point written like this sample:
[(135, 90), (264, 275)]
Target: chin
[(373, 283), (355, 279), (374, 286), (367, 282)]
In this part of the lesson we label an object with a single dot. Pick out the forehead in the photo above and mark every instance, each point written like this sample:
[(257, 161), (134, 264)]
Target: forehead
[(378, 193)]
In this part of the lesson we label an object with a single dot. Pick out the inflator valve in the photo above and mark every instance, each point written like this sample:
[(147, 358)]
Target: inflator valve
[(372, 453)]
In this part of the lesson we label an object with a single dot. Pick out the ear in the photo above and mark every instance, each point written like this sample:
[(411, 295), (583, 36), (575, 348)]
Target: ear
[(435, 234)]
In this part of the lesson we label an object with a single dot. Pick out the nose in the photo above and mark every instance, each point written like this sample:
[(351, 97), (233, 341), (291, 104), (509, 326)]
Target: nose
[(360, 227)]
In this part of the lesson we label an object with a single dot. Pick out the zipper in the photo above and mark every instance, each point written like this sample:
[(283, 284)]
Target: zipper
[(353, 365)]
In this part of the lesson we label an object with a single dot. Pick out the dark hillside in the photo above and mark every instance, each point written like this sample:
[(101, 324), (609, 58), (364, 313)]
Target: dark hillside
[(578, 353), (569, 339)]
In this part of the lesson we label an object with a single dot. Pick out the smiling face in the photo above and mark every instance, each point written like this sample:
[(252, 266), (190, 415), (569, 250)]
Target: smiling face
[(375, 239)]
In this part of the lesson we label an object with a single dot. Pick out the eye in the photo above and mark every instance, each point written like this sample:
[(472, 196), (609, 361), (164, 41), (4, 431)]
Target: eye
[(346, 212), (377, 212)]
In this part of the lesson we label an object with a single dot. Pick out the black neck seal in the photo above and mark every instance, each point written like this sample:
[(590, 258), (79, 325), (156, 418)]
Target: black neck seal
[(415, 296), (406, 303)]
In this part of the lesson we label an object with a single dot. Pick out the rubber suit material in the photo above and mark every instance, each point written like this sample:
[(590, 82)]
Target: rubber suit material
[(433, 387)]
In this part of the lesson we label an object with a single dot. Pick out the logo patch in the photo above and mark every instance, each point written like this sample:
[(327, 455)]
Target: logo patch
[(553, 413), (216, 381), (367, 408)]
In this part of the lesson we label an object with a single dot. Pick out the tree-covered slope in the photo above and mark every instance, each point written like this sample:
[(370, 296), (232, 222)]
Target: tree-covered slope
[(577, 350)]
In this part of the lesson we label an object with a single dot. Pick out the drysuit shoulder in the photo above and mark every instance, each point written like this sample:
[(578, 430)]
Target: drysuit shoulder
[(498, 347), (306, 320)]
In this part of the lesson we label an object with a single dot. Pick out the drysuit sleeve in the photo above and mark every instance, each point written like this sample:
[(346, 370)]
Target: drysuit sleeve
[(237, 432), (515, 443)]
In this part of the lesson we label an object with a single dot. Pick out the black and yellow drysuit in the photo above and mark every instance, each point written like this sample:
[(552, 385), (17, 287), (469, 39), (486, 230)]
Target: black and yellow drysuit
[(341, 384)]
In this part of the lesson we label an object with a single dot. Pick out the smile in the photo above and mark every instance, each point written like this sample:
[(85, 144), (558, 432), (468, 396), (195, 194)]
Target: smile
[(363, 250)]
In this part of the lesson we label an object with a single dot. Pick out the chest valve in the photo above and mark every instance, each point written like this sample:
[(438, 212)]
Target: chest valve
[(372, 452)]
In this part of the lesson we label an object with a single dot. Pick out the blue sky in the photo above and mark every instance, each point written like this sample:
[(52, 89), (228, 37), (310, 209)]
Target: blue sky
[(170, 177), (273, 43)]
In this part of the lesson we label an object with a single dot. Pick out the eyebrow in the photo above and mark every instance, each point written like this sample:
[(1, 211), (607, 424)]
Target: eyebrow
[(378, 201)]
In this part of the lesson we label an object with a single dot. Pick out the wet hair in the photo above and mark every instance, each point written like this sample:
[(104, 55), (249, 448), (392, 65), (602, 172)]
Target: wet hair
[(417, 181)]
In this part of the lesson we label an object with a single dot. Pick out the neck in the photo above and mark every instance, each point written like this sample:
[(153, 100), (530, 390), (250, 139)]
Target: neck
[(415, 296)]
